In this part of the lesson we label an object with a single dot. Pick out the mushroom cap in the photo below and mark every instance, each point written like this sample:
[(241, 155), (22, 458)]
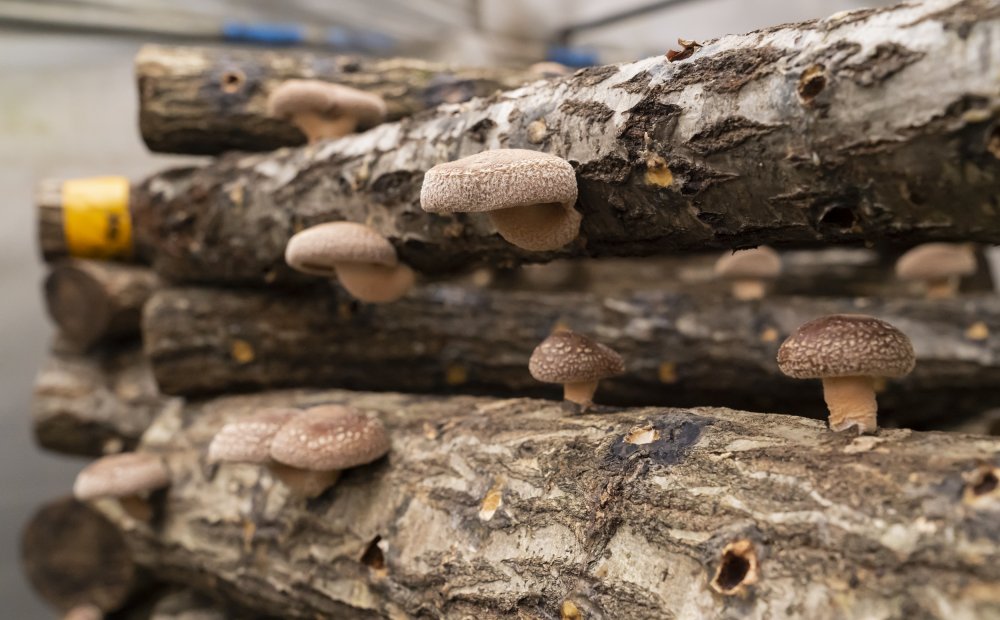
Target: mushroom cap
[(846, 345), (318, 249), (498, 179), (758, 263), (568, 357), (302, 96), (121, 475), (932, 261), (249, 440), (329, 437)]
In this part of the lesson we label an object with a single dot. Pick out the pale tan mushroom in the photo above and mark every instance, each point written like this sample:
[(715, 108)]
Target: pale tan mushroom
[(750, 271), (363, 260), (248, 440), (128, 477), (528, 195), (847, 351), (939, 266), (322, 110), (575, 361)]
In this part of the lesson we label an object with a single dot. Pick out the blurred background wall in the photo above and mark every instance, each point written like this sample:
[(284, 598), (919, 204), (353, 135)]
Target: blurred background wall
[(68, 108)]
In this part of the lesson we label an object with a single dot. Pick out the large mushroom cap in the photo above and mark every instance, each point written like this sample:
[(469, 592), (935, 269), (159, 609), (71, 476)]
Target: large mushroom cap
[(249, 440), (498, 179), (846, 345), (758, 263), (932, 261), (316, 250), (314, 96), (121, 475), (329, 437), (568, 357)]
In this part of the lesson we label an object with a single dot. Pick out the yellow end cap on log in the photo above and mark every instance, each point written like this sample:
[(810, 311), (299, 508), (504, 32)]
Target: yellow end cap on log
[(96, 219)]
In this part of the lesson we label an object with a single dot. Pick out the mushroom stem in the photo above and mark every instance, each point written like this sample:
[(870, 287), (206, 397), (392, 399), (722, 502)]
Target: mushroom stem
[(137, 507), (746, 290), (942, 288), (851, 401), (375, 283), (304, 482), (581, 393), (317, 127), (538, 228)]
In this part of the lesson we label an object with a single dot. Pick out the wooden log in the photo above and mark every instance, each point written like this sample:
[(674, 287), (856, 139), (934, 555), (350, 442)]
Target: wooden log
[(73, 555), (95, 404), (868, 127), (206, 101), (680, 349), (490, 509), (93, 301)]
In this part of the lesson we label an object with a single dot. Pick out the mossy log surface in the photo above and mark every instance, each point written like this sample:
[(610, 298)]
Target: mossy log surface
[(680, 349), (498, 508), (878, 126)]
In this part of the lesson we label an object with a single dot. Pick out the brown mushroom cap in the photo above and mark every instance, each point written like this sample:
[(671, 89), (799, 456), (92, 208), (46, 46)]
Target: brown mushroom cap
[(498, 179), (932, 261), (249, 440), (846, 345), (758, 263), (121, 475), (318, 249), (568, 357), (314, 96), (330, 437)]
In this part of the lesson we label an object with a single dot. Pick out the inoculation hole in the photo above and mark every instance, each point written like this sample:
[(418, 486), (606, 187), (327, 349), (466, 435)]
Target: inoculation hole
[(812, 83), (838, 217), (233, 80), (987, 484), (737, 568), (373, 556)]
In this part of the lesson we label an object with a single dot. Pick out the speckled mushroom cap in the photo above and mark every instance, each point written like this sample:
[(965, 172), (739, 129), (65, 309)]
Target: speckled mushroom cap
[(299, 96), (121, 475), (316, 250), (568, 357), (498, 179), (249, 440), (846, 345), (932, 261), (330, 437), (762, 263)]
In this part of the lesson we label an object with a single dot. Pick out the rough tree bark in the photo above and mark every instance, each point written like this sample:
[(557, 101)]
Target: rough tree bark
[(680, 349), (877, 125), (93, 301), (97, 403), (208, 101), (487, 509)]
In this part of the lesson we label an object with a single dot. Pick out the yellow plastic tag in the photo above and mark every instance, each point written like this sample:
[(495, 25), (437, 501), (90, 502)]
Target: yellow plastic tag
[(96, 219)]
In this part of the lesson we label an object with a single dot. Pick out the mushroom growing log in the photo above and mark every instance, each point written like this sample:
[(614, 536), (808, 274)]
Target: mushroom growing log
[(208, 101), (680, 349), (95, 404), (490, 509), (873, 125), (92, 300)]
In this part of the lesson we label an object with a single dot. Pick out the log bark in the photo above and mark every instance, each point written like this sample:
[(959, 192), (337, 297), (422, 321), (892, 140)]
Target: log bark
[(490, 509), (93, 301), (875, 126), (680, 349), (207, 101), (95, 404)]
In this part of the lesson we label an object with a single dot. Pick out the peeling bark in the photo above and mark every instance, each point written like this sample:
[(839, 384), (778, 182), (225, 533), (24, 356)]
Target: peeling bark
[(207, 101), (869, 127), (95, 404), (680, 349), (487, 509)]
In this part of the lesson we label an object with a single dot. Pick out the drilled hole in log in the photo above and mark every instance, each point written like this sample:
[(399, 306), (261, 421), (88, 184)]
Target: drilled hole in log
[(373, 556), (987, 484), (737, 569), (812, 83), (838, 217), (233, 80)]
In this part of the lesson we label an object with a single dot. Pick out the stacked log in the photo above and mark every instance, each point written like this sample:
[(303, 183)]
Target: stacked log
[(177, 314)]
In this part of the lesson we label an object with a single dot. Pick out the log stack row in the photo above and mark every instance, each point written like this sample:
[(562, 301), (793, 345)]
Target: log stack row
[(177, 314)]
